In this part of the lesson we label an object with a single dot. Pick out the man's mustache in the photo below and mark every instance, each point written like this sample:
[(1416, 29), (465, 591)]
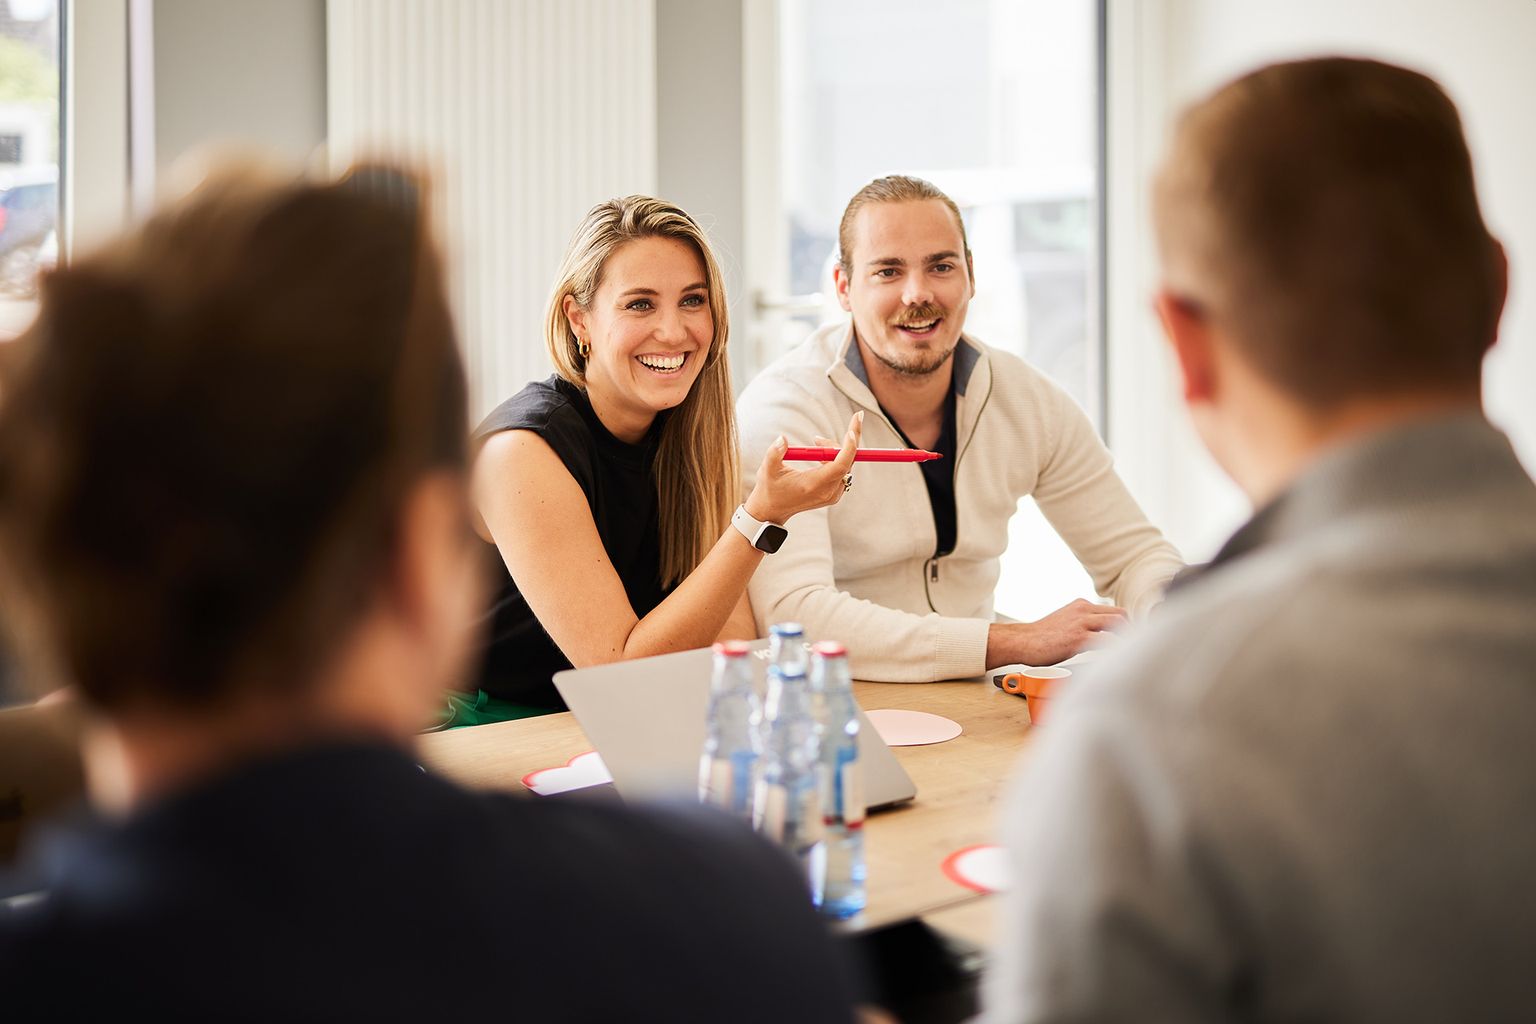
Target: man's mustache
[(918, 314)]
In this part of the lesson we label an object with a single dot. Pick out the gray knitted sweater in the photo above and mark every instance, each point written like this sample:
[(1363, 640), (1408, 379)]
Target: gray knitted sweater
[(1307, 790)]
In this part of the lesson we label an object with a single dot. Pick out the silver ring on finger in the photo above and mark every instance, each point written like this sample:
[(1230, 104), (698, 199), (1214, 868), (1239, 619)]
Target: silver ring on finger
[(847, 482)]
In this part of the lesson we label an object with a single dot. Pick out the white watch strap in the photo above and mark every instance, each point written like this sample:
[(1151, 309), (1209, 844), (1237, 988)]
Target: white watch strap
[(750, 528)]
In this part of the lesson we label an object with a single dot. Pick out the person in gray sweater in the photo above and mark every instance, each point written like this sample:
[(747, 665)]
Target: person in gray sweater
[(1304, 792)]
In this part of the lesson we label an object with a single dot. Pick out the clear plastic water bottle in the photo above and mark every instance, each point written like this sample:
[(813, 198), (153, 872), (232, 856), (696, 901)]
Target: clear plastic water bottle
[(732, 743), (787, 654), (787, 803), (786, 648), (842, 781)]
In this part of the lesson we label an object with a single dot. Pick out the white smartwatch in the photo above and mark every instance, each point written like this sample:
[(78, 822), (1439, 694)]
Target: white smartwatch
[(766, 537)]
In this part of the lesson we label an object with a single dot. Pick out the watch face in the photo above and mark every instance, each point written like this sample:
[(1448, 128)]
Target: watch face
[(771, 538)]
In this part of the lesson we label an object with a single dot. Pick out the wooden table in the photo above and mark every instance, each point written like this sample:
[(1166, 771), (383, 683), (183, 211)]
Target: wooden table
[(959, 785)]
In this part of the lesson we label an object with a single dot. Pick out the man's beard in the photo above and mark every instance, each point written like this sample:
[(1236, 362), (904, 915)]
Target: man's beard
[(918, 363), (915, 364)]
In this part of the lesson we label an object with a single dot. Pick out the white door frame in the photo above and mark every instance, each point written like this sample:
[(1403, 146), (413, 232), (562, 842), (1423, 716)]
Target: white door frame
[(95, 164)]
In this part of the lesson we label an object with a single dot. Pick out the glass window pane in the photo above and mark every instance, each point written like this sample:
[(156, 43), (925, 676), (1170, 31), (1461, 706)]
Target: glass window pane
[(29, 153), (29, 195), (995, 102)]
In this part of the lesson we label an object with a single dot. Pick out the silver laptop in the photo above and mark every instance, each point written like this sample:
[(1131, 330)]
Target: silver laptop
[(646, 718)]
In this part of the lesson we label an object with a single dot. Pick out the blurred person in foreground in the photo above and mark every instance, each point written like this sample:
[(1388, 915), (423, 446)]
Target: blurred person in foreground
[(234, 515), (1305, 791)]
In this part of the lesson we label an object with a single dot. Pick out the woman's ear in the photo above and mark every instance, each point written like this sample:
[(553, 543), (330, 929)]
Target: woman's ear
[(576, 317)]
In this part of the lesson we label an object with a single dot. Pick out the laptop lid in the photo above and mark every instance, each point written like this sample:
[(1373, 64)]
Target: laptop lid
[(646, 718)]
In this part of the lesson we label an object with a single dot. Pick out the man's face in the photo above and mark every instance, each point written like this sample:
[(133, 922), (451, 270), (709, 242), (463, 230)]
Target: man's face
[(907, 284)]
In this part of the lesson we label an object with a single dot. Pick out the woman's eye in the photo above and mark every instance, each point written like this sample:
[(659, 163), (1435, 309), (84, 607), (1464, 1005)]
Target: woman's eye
[(640, 305), (693, 300)]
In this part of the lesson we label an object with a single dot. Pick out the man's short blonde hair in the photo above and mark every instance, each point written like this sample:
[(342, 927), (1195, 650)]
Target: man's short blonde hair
[(893, 188), (1323, 213)]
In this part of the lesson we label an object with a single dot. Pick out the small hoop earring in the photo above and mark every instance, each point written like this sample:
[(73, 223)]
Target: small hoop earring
[(583, 348)]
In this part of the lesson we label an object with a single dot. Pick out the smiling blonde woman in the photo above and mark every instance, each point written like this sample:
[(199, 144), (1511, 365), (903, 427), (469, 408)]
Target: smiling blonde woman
[(608, 493)]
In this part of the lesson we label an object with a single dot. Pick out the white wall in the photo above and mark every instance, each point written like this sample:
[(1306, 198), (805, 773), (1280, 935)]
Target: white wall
[(239, 72), (1166, 54), (699, 139), (528, 114), (192, 73)]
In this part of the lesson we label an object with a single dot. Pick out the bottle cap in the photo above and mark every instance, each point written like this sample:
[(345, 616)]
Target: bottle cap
[(732, 649), (830, 649), (786, 629)]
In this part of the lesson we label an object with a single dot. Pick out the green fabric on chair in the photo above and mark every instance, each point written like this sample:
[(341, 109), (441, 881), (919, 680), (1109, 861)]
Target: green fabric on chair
[(463, 711)]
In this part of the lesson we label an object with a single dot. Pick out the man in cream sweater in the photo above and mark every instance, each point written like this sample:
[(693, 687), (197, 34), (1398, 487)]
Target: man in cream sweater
[(903, 569)]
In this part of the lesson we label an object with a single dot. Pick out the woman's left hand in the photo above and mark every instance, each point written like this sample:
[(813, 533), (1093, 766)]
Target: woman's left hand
[(780, 492)]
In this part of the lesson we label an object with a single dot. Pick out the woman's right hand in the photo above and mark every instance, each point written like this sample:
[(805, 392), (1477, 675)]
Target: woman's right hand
[(780, 492)]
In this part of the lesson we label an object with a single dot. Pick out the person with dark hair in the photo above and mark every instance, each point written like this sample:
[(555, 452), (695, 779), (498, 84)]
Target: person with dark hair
[(234, 518), (1304, 791)]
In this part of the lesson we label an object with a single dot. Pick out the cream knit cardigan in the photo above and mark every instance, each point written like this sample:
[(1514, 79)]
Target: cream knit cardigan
[(863, 571)]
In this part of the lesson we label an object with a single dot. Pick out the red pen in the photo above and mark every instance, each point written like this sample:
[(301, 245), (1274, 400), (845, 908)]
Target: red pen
[(861, 455)]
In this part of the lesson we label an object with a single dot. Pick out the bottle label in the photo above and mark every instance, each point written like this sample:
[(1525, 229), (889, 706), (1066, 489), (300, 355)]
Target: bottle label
[(715, 780), (743, 770), (768, 811), (810, 827), (850, 793), (816, 872)]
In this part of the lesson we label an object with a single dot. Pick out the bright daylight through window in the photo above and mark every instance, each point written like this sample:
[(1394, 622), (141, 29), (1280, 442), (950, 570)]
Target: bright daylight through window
[(29, 154)]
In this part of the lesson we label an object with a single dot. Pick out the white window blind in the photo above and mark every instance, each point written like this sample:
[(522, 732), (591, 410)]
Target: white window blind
[(526, 114)]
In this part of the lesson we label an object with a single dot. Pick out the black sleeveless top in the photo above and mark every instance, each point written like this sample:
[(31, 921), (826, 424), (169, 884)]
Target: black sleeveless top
[(620, 486)]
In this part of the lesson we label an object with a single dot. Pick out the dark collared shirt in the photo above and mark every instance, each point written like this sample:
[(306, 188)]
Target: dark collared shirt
[(938, 474)]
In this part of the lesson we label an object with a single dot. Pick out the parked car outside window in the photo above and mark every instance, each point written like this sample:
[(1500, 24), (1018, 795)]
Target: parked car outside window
[(29, 209)]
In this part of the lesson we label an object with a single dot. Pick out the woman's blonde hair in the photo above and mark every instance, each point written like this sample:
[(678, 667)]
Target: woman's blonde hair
[(698, 476)]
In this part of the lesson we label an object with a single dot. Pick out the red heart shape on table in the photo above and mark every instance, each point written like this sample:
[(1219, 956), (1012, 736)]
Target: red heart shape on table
[(579, 772)]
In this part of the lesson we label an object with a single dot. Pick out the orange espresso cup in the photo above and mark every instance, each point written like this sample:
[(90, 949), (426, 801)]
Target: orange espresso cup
[(1035, 685)]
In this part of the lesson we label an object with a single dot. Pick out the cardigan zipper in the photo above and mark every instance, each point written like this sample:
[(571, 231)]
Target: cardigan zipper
[(931, 567)]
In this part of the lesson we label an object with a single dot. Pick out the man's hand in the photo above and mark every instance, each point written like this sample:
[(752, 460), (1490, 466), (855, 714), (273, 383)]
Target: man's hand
[(1057, 637)]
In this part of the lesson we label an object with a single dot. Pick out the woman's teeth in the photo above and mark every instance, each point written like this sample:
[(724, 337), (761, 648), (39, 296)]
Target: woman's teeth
[(665, 364)]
